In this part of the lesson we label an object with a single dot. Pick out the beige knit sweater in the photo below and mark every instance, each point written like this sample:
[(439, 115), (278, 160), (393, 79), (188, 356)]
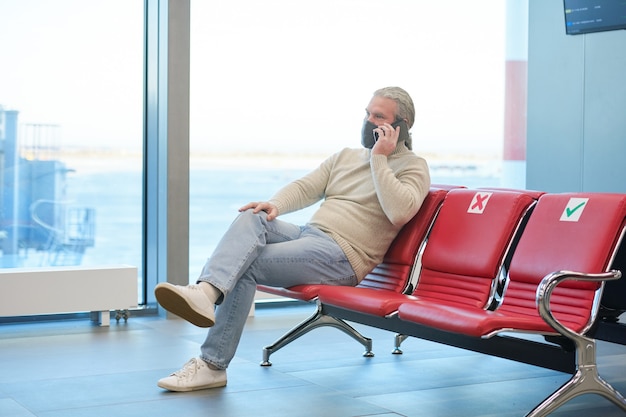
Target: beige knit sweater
[(366, 200)]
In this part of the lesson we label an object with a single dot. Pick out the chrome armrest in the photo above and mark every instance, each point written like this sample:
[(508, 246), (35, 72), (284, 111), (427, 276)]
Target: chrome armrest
[(586, 378), (550, 281)]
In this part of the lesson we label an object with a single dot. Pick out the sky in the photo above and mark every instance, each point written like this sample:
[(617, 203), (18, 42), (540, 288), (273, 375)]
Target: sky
[(75, 64), (273, 76)]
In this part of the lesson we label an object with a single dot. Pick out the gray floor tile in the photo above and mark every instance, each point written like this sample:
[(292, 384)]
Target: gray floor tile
[(77, 369)]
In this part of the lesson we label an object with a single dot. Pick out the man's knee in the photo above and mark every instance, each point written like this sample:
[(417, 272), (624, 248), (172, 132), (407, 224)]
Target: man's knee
[(249, 218), (250, 214)]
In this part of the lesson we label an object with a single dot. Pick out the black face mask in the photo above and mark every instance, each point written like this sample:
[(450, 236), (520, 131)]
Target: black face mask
[(369, 137), (367, 134)]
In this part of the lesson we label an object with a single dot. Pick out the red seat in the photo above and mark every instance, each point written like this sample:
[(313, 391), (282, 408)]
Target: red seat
[(566, 232), (464, 254), (399, 258), (393, 274)]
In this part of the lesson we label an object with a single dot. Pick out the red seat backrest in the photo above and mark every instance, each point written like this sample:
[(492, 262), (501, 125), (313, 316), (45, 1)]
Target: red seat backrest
[(393, 273), (570, 231), (468, 243)]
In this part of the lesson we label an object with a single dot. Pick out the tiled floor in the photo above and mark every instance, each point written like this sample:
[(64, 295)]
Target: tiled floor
[(68, 369)]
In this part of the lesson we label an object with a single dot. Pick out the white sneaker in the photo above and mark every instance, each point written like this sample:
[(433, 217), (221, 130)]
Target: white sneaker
[(189, 302), (194, 375)]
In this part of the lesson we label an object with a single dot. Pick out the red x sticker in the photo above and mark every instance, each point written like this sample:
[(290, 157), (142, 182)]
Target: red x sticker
[(479, 202)]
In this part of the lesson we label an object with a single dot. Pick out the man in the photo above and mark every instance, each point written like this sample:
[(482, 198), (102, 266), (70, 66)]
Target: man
[(368, 195)]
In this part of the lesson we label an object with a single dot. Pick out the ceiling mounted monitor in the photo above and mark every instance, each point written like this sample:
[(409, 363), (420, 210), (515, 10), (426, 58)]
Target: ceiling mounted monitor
[(586, 16)]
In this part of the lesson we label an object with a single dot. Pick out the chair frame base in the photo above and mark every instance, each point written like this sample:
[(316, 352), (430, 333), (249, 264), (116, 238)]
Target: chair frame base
[(318, 319), (586, 380), (532, 352)]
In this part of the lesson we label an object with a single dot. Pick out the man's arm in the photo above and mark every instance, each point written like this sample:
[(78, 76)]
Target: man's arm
[(401, 194)]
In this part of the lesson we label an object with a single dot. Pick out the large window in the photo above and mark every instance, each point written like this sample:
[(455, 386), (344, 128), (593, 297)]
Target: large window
[(276, 86), (71, 97)]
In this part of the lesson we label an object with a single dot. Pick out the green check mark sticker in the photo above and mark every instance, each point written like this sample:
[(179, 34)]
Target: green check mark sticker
[(574, 209)]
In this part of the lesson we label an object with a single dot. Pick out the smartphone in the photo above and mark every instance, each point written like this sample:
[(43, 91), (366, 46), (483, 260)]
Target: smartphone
[(404, 131)]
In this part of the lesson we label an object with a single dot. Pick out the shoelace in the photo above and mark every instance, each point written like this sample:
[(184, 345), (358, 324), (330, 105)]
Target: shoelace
[(194, 287), (190, 368)]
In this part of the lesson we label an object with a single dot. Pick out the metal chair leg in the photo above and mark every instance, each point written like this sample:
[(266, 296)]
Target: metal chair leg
[(397, 342), (318, 319), (585, 380)]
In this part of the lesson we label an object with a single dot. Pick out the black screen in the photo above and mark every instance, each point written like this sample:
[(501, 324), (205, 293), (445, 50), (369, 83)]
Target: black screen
[(585, 16)]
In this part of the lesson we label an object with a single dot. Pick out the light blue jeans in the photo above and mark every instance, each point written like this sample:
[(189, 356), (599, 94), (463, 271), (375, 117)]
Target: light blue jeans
[(274, 253)]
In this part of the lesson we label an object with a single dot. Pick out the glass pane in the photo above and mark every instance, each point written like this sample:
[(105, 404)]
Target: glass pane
[(277, 86), (71, 128)]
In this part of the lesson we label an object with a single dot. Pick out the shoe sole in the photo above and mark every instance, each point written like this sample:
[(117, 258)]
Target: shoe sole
[(176, 303), (219, 384)]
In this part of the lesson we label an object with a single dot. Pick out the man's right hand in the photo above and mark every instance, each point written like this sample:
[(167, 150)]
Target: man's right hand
[(387, 139), (258, 206)]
